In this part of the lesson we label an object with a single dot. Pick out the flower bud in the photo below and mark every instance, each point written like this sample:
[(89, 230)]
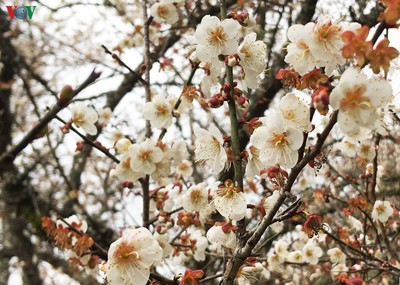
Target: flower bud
[(66, 95), (320, 100), (243, 102), (122, 145), (79, 146), (216, 101), (231, 60)]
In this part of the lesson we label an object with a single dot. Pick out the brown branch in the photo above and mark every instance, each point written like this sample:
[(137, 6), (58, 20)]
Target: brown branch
[(119, 60), (31, 135), (375, 169), (89, 141)]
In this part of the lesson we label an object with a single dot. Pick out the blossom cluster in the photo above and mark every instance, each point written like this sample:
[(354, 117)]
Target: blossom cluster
[(207, 214)]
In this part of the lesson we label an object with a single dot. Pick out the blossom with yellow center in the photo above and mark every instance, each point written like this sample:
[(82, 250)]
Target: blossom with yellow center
[(336, 255), (123, 170), (85, 118), (144, 157), (252, 54), (298, 51), (209, 148), (317, 45), (131, 256), (311, 252), (358, 99), (165, 12), (215, 37), (382, 211), (295, 256), (158, 112), (196, 198), (229, 201), (295, 112), (327, 42), (278, 144)]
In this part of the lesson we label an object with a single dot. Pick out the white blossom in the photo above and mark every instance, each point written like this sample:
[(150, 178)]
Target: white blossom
[(105, 116), (366, 150), (122, 145), (298, 51), (382, 211), (356, 98), (317, 45), (336, 255), (165, 12), (311, 252), (230, 202), (295, 256), (179, 151), (215, 37), (123, 170), (163, 241), (144, 157), (281, 248), (252, 54), (196, 198), (274, 262), (131, 256), (217, 236), (295, 112), (158, 112), (254, 164), (277, 143), (355, 224), (184, 168), (85, 118), (201, 244), (209, 147), (327, 42)]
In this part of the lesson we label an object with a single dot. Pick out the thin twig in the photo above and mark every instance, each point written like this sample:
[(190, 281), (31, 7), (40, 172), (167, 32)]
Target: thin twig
[(51, 114)]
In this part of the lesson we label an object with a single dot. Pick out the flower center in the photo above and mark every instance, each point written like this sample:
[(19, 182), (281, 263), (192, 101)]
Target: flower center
[(364, 149), (309, 253), (289, 115), (354, 99), (280, 140), (328, 31), (183, 167), (78, 119), (144, 154), (217, 36), (228, 189), (162, 11), (126, 254), (380, 209), (161, 110), (306, 51), (195, 196)]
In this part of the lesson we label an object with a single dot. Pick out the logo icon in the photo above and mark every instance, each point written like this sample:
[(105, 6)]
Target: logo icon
[(21, 12)]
